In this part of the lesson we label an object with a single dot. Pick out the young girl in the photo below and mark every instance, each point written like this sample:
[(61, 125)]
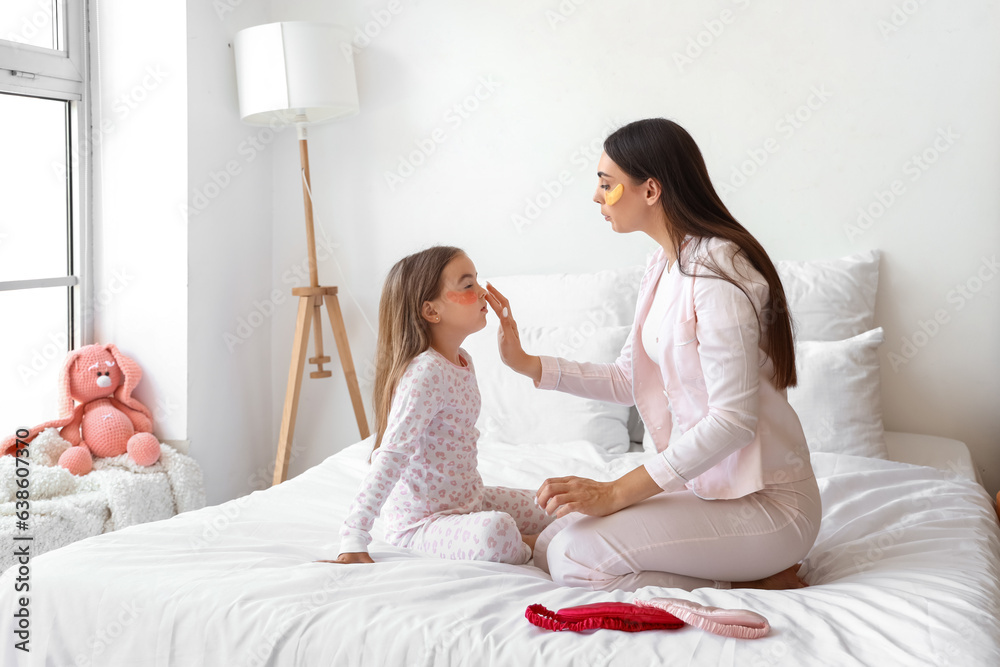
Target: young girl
[(423, 477)]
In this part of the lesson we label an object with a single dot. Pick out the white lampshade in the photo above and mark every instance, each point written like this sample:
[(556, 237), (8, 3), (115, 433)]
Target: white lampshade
[(295, 67)]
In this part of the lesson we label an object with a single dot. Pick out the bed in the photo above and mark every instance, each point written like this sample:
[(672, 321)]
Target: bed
[(904, 571)]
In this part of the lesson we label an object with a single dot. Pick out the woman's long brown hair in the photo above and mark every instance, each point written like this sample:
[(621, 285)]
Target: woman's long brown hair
[(402, 332), (660, 149)]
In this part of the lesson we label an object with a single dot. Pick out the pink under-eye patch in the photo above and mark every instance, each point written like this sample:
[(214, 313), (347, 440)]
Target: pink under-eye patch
[(464, 298)]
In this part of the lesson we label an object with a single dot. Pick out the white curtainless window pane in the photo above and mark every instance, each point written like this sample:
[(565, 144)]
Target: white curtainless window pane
[(33, 336), (33, 210), (31, 22)]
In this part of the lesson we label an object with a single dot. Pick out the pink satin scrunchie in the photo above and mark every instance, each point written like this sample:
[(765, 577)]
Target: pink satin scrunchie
[(652, 614), (739, 623)]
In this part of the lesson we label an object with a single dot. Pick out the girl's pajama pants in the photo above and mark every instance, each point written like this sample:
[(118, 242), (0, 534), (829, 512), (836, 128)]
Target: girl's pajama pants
[(492, 532)]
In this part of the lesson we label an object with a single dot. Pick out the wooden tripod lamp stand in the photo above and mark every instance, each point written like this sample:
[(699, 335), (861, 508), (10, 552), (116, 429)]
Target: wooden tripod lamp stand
[(302, 73)]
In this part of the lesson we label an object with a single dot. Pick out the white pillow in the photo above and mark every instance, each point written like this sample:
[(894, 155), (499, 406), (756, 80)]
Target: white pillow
[(514, 411), (604, 298), (838, 397), (831, 299)]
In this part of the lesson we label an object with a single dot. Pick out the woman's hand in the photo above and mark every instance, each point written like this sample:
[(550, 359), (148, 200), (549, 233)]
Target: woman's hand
[(508, 339), (349, 558), (561, 495)]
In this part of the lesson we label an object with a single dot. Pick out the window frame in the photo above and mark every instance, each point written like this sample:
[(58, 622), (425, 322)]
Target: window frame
[(34, 68), (64, 75)]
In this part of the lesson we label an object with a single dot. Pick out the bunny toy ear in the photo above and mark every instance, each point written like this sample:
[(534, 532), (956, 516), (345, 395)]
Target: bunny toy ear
[(131, 373), (66, 402)]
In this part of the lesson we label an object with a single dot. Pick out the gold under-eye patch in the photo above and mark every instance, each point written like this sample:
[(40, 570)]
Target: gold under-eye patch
[(612, 196)]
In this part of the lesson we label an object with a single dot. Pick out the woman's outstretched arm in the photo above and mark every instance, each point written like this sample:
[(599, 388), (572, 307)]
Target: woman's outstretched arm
[(509, 340), (606, 382)]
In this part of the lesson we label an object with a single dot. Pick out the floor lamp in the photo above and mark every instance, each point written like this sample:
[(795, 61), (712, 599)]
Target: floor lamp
[(302, 73)]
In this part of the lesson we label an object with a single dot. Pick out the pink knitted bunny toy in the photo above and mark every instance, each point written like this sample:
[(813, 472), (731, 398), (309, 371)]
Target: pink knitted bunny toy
[(107, 421)]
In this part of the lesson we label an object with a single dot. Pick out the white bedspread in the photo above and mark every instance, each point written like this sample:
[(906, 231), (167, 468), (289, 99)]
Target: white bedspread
[(904, 572)]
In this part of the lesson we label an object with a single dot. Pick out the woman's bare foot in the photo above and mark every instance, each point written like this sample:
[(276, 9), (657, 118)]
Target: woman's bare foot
[(784, 580), (530, 540)]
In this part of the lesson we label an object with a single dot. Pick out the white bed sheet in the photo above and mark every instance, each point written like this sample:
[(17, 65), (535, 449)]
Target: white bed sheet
[(904, 572), (932, 450)]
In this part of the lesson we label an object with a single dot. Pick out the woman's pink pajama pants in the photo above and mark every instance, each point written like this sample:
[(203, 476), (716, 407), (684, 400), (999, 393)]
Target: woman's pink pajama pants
[(678, 540)]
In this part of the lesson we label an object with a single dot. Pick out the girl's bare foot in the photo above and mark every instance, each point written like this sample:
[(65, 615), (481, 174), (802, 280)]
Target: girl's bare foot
[(530, 540), (784, 580)]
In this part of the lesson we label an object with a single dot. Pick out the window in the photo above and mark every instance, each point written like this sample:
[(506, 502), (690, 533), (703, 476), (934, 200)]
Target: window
[(44, 202)]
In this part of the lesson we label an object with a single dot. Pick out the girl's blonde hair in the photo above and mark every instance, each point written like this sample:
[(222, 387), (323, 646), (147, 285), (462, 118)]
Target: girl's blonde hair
[(403, 332)]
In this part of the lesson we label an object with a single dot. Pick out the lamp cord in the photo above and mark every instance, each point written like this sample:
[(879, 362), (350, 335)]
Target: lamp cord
[(330, 246)]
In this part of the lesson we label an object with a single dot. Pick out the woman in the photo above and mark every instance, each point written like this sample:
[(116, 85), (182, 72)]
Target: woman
[(733, 501)]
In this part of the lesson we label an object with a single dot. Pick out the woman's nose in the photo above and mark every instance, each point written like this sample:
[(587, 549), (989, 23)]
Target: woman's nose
[(598, 197)]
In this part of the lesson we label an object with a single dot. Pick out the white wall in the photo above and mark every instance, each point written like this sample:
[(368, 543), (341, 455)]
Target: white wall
[(141, 172), (537, 88), (182, 232), (229, 262), (871, 84)]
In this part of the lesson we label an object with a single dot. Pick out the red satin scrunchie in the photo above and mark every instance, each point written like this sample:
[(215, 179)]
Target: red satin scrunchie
[(603, 615), (652, 614)]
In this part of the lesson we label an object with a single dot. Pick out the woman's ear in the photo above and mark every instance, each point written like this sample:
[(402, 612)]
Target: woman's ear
[(429, 313), (653, 191)]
